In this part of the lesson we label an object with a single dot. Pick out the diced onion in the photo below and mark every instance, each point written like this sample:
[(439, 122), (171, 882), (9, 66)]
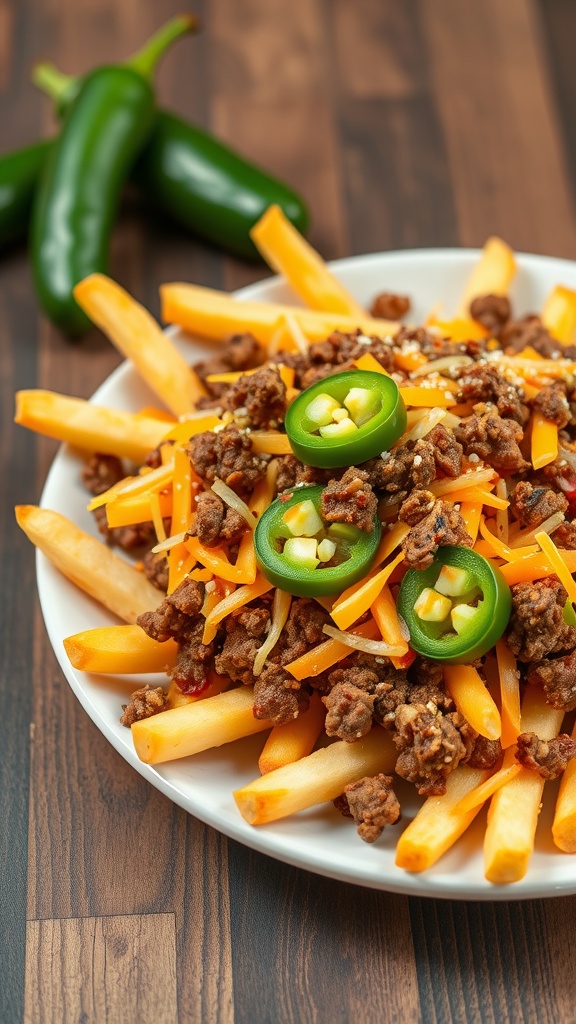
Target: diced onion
[(360, 643), (444, 363), (280, 611), (231, 498)]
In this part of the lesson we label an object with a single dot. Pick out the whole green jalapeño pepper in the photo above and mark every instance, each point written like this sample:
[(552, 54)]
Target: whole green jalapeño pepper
[(194, 178), (293, 544), (346, 419), (79, 191), (457, 608)]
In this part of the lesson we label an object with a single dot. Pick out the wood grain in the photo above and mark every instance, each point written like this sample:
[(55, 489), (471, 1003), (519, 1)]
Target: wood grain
[(100, 970), (403, 125)]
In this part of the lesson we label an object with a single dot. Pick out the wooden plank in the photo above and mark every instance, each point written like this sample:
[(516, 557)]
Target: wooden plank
[(500, 124), (102, 969), (320, 950)]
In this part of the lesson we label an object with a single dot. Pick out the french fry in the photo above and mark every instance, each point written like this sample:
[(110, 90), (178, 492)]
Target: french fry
[(89, 564), (509, 693), (315, 779), (119, 650), (438, 823), (492, 275), (473, 700), (90, 427), (559, 314), (216, 315), (295, 740), (564, 824), (192, 728), (514, 809), (137, 336), (288, 253)]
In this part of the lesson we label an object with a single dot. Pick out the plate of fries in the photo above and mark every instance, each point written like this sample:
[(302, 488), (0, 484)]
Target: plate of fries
[(308, 832)]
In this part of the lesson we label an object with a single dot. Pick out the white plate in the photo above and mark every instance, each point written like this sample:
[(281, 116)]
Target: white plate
[(320, 839)]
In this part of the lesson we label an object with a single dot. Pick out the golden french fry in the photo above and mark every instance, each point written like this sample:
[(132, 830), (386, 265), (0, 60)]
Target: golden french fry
[(88, 563), (288, 253), (473, 700), (119, 650), (492, 275), (559, 313), (564, 825), (295, 740), (514, 809), (439, 823), (315, 779), (137, 336), (191, 728), (215, 315), (90, 427)]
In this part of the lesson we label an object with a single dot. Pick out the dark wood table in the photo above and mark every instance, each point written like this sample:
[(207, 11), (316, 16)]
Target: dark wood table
[(404, 124)]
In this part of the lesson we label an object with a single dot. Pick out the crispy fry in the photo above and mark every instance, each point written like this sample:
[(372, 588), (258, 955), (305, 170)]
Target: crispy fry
[(216, 315), (137, 336), (509, 693), (492, 275), (473, 700), (192, 728), (90, 427), (559, 314), (295, 740), (315, 779), (288, 253), (564, 824), (514, 809), (89, 564), (119, 650), (438, 823)]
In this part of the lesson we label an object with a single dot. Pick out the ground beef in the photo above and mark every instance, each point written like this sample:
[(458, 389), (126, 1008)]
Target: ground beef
[(416, 506), (373, 805), (303, 630), (245, 633), (129, 538), (485, 753), (557, 676), (389, 306), (532, 505), (447, 450), (240, 352), (278, 696), (143, 704), (492, 311), (442, 526), (547, 757), (349, 712), (194, 661), (350, 500), (396, 473), (537, 626), (320, 372), (291, 472), (431, 746), (363, 677), (423, 685), (565, 536), (229, 456), (263, 397), (340, 350), (493, 439), (102, 472), (156, 570), (485, 384), (553, 404), (529, 331), (172, 617), (216, 522)]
